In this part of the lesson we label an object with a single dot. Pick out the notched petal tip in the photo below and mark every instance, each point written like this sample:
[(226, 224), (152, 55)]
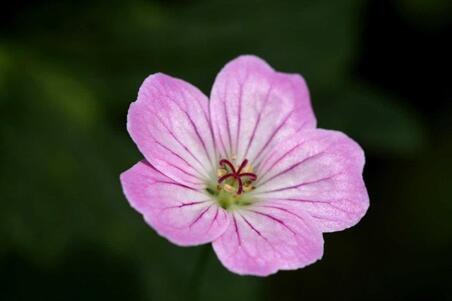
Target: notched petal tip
[(248, 60), (253, 107)]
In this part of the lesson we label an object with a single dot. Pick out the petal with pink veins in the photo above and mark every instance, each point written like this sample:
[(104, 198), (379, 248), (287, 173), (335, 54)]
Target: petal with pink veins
[(182, 214), (264, 238), (320, 172), (171, 126), (254, 107)]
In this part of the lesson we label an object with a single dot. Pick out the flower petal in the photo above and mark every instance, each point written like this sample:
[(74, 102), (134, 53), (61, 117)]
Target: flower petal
[(321, 172), (170, 124), (262, 239), (254, 107), (180, 213)]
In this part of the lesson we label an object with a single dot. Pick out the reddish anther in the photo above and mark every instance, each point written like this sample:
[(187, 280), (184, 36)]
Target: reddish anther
[(236, 174)]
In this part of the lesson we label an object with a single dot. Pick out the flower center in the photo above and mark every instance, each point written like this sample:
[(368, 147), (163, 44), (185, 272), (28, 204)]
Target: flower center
[(241, 178), (233, 183)]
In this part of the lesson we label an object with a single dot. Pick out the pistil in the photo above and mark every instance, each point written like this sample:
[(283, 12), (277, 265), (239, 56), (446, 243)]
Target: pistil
[(228, 171)]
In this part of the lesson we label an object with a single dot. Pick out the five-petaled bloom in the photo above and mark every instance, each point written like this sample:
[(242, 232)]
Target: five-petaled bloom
[(247, 171)]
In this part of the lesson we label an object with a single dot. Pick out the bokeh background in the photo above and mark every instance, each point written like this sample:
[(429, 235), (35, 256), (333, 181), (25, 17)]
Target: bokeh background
[(379, 70)]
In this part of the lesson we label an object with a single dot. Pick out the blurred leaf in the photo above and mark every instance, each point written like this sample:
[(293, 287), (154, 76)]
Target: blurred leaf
[(5, 65), (67, 95), (426, 13), (379, 121)]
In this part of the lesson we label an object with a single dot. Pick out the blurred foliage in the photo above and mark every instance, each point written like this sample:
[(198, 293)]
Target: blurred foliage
[(68, 72), (426, 13), (376, 119)]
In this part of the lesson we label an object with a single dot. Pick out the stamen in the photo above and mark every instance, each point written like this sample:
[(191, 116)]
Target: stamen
[(237, 175), (225, 177), (247, 187), (250, 175), (229, 188), (221, 172), (249, 168)]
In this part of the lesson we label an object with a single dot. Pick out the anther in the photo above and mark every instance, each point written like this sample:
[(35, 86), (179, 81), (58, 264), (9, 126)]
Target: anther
[(228, 188), (221, 172)]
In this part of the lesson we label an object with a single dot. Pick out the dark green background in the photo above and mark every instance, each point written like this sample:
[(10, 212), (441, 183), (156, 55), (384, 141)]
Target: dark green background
[(378, 70)]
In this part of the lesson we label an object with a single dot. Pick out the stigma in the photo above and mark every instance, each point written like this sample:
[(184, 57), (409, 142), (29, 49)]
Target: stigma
[(234, 180)]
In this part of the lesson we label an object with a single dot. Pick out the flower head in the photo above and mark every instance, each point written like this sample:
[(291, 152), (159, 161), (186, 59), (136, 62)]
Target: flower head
[(247, 171)]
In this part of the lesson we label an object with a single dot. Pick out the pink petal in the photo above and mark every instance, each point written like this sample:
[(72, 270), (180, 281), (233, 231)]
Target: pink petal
[(254, 107), (320, 172), (262, 239), (182, 214), (171, 126)]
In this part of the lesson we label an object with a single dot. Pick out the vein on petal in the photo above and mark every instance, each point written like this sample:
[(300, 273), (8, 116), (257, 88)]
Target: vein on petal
[(199, 216), (239, 119), (236, 228), (273, 218), (181, 144), (273, 135), (259, 116), (264, 173), (262, 159), (184, 205), (177, 155), (195, 128), (226, 115), (299, 185), (292, 167)]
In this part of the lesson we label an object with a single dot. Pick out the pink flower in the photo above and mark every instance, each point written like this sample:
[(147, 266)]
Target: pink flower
[(247, 171)]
